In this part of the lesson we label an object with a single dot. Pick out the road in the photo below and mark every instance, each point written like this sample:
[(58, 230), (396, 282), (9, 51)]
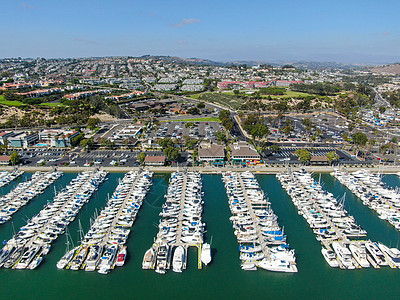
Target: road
[(380, 101)]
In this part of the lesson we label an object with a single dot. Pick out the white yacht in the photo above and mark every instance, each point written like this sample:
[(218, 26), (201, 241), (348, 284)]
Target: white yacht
[(148, 259), (376, 253), (330, 257), (277, 266), (178, 259), (249, 266), (206, 254), (391, 253), (344, 255), (121, 257), (93, 257), (360, 255)]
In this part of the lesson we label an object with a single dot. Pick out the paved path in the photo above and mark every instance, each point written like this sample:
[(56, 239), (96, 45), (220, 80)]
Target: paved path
[(211, 170)]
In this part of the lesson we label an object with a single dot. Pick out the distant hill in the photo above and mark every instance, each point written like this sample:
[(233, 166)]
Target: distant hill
[(387, 69), (297, 64), (176, 59)]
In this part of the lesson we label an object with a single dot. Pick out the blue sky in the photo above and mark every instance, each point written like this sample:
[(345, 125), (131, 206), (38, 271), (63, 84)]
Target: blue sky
[(349, 31)]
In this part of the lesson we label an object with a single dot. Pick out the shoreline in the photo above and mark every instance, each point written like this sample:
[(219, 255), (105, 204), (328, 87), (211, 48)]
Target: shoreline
[(208, 170)]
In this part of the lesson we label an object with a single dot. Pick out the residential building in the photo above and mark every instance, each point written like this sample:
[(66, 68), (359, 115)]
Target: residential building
[(23, 140), (5, 135), (57, 138)]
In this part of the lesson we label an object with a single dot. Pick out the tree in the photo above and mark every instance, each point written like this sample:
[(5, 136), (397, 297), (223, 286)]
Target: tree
[(221, 136), (165, 143), (92, 123), (274, 148), (307, 122), (172, 153), (107, 143), (304, 155), (191, 143), (359, 138), (201, 105), (4, 147), (14, 158), (382, 109), (190, 125), (88, 143), (193, 111), (259, 130), (332, 157), (225, 117), (141, 157), (289, 127)]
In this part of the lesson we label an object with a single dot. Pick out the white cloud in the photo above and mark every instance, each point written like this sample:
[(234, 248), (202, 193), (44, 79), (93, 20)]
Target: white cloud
[(26, 6), (186, 22)]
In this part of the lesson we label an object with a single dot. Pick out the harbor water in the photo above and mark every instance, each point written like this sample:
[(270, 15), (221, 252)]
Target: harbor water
[(223, 278)]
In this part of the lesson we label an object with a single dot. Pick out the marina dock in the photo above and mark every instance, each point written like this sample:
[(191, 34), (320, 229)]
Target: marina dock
[(32, 242), (255, 220), (333, 226), (24, 192), (181, 226), (103, 247), (261, 241), (369, 188)]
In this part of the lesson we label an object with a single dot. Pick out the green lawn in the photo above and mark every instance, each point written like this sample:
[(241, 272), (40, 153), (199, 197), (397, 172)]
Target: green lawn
[(204, 119), (52, 104), (229, 99), (289, 94), (196, 96), (10, 103), (295, 94)]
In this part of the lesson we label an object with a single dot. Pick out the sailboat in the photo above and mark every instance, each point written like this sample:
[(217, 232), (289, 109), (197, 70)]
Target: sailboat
[(69, 253)]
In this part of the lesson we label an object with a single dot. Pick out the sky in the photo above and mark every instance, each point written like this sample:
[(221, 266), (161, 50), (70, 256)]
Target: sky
[(351, 31)]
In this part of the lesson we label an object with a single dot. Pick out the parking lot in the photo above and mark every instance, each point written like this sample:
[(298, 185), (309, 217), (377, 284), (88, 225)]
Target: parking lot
[(36, 156), (286, 154), (107, 158), (178, 129)]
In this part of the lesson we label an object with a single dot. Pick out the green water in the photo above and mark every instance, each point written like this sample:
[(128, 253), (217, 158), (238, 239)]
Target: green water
[(223, 278)]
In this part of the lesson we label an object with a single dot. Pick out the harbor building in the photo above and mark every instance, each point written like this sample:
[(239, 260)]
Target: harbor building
[(4, 160), (154, 160), (212, 153), (243, 153)]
